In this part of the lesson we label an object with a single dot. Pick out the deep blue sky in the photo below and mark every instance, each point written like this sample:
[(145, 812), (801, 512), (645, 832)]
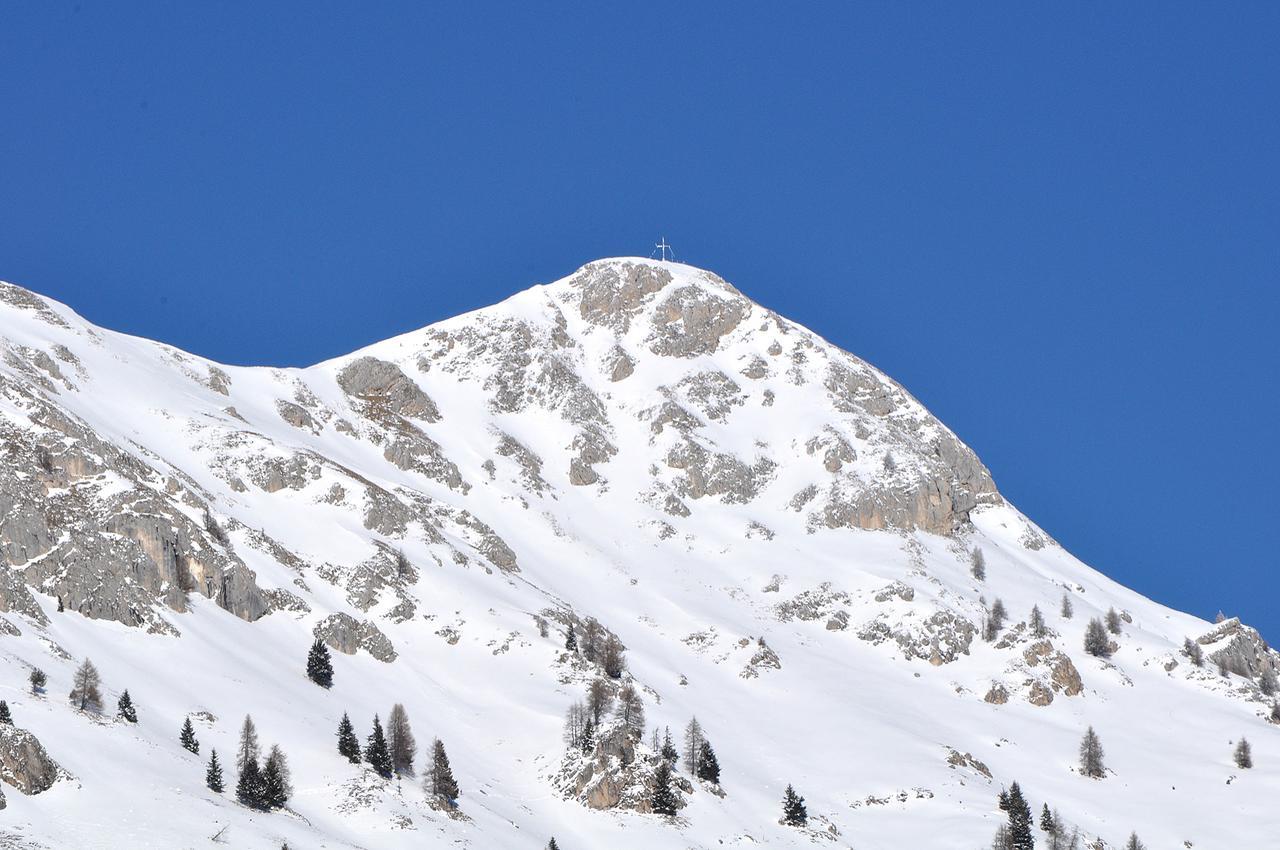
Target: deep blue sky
[(1060, 228)]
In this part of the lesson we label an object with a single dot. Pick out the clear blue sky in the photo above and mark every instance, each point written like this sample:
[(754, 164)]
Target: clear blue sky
[(1057, 224)]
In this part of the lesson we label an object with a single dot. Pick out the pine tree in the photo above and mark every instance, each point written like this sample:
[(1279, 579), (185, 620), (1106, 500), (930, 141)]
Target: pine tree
[(1096, 641), (320, 664), (1244, 754), (1113, 621), (348, 744), (1221, 617), (612, 659), (979, 565), (1067, 610), (187, 737), (276, 789), (1047, 823), (125, 709), (400, 741), (1275, 712), (599, 697), (1091, 755), (708, 766), (213, 776), (1021, 836), (663, 801), (1037, 622), (588, 737), (376, 752), (995, 620), (551, 845), (669, 752), (38, 680), (1267, 682), (247, 749), (793, 811), (630, 712), (592, 639), (440, 780), (1193, 651), (249, 789), (1002, 840), (5, 717), (693, 738), (571, 644), (1134, 843), (1002, 800), (84, 690)]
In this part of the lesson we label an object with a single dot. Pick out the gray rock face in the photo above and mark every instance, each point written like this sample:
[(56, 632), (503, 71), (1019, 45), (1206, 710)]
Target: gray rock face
[(691, 321), (613, 294), (346, 634), (24, 764), (384, 388), (1240, 649)]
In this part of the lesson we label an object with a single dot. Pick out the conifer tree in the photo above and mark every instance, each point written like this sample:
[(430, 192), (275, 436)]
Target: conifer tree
[(1067, 610), (400, 741), (5, 717), (1091, 755), (1096, 641), (1037, 622), (187, 737), (611, 658), (1021, 836), (348, 744), (1113, 621), (125, 709), (1194, 652), (1275, 712), (1244, 754), (979, 564), (1267, 682), (249, 789), (276, 788), (668, 750), (320, 664), (84, 691), (213, 776), (995, 620), (630, 712), (440, 780), (663, 801), (588, 742), (793, 811), (376, 752), (693, 747), (1134, 843), (1047, 823), (571, 644), (592, 639), (551, 845), (38, 680), (708, 765), (1002, 800), (599, 697)]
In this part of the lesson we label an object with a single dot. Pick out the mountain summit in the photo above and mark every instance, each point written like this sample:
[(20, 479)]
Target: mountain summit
[(634, 477)]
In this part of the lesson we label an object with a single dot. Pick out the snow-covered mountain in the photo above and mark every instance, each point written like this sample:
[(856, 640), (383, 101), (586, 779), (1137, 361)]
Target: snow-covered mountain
[(780, 536)]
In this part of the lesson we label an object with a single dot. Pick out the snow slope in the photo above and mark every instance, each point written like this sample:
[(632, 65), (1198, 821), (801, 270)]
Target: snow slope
[(639, 443)]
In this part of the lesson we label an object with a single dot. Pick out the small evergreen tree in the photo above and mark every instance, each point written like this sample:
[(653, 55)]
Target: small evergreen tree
[(1193, 651), (320, 664), (571, 644), (1091, 755), (978, 566), (1220, 618), (588, 742), (708, 766), (1021, 836), (5, 717), (440, 780), (1096, 641), (1002, 800), (275, 780), (1113, 621), (84, 687), (376, 752), (1267, 682), (187, 737), (1037, 622), (793, 811), (1134, 843), (663, 801), (400, 741), (38, 680), (1047, 823), (693, 738), (213, 776), (1244, 754), (1067, 610), (249, 790), (668, 751), (551, 845), (348, 744), (125, 709)]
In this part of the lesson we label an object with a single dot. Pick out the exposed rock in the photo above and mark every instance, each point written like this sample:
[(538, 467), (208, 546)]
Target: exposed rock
[(838, 622), (1040, 694), (297, 416), (614, 293), (620, 365), (346, 634), (1239, 648), (24, 764), (384, 388), (691, 321), (717, 474), (414, 451), (958, 759), (940, 638), (998, 695), (764, 657), (896, 590), (530, 464)]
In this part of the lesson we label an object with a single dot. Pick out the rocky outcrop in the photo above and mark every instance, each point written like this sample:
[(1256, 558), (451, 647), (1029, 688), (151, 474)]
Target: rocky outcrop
[(939, 638), (347, 635), (611, 295), (384, 389), (24, 764), (618, 773), (691, 320), (1240, 649)]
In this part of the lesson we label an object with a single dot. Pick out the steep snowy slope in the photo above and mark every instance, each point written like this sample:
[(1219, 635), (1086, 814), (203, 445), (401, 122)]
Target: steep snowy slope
[(779, 535)]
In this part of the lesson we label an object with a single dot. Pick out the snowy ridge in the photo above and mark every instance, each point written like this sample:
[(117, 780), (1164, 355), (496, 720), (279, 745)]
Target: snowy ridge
[(779, 534)]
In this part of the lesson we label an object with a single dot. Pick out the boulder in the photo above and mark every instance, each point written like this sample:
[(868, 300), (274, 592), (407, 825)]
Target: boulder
[(24, 764)]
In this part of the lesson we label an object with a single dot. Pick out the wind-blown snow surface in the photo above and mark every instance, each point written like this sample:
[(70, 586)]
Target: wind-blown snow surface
[(535, 431)]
